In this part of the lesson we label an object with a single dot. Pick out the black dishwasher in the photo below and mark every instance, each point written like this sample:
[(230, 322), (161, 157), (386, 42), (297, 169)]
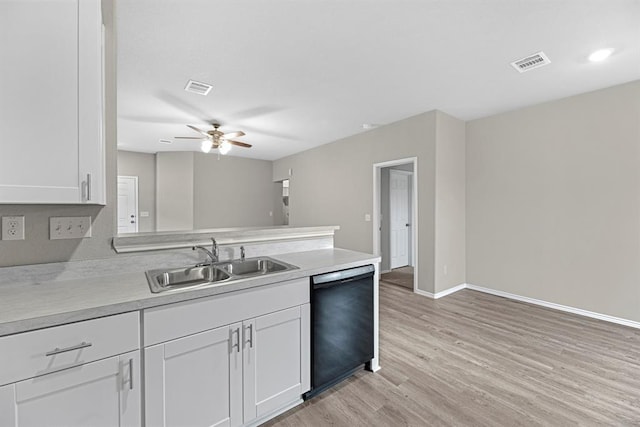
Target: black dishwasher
[(341, 326)]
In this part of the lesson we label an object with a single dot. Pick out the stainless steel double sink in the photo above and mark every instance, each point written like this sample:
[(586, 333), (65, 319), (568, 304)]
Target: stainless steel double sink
[(162, 279)]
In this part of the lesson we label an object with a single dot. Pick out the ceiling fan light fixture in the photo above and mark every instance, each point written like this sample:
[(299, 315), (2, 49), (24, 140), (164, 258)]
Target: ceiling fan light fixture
[(224, 147), (205, 146)]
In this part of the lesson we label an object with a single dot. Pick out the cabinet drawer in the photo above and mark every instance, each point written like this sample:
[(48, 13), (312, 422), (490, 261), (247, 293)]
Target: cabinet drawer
[(181, 319), (31, 354)]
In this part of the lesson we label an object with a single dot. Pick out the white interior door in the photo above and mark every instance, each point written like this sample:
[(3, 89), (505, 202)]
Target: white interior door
[(399, 217), (127, 204)]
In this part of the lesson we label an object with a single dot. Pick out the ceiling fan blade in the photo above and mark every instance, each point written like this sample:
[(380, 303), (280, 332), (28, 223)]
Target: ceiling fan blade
[(198, 130), (236, 134), (189, 137), (238, 143)]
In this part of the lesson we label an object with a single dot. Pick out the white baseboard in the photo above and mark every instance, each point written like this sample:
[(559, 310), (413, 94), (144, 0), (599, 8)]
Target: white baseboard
[(424, 293), (565, 308), (441, 293)]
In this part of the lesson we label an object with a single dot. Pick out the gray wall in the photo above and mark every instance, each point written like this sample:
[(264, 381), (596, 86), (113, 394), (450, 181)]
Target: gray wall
[(450, 256), (232, 192), (278, 207), (385, 226), (553, 201), (37, 248), (333, 184), (142, 165), (174, 191)]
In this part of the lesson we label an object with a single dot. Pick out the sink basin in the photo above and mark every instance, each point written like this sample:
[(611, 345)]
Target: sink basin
[(162, 279), (255, 266)]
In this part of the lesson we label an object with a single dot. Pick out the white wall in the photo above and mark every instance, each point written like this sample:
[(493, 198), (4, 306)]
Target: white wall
[(553, 201)]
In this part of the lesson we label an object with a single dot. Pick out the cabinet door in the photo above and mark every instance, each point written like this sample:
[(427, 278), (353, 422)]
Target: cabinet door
[(51, 104), (195, 380), (276, 360), (102, 393)]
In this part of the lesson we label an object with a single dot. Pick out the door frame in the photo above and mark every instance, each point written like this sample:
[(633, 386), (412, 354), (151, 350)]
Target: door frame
[(135, 180), (414, 211)]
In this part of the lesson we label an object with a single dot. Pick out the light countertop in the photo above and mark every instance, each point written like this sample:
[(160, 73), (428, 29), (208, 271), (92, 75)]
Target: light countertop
[(29, 306)]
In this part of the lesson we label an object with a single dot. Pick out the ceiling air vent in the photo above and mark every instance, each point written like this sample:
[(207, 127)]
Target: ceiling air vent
[(530, 62), (164, 141), (198, 87)]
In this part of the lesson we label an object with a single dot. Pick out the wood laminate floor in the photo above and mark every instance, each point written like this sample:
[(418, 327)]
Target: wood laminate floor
[(472, 359)]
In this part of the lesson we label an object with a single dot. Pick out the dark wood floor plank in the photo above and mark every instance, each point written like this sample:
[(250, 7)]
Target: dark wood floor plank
[(473, 359)]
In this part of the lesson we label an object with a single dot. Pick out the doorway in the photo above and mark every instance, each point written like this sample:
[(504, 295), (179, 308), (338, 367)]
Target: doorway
[(127, 204), (395, 227)]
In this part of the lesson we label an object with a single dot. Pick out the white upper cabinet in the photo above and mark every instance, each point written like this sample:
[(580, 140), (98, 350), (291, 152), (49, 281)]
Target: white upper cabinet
[(51, 102)]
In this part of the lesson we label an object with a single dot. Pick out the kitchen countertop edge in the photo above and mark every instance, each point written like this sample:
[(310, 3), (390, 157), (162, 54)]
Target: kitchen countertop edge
[(140, 297)]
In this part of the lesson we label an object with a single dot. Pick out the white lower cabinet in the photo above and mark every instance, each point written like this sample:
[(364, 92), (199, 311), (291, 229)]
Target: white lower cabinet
[(195, 380), (80, 374), (274, 349), (233, 375), (101, 393)]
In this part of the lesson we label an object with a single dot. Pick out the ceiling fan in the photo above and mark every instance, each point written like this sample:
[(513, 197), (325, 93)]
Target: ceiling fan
[(216, 139)]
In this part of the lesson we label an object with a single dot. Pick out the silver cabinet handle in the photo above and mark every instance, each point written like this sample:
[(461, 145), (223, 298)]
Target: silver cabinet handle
[(64, 350), (250, 340), (88, 186), (130, 374), (237, 344)]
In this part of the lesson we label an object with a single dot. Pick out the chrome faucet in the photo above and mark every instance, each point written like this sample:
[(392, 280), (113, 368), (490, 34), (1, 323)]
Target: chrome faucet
[(241, 253), (212, 254)]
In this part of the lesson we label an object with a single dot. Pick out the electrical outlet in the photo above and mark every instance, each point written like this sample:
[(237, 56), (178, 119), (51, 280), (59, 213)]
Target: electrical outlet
[(12, 228), (73, 227)]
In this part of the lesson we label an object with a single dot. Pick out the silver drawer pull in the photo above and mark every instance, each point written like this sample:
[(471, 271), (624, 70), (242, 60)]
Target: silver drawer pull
[(88, 187), (130, 374), (64, 350)]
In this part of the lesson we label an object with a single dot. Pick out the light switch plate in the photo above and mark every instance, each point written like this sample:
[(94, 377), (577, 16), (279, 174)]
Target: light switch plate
[(12, 228), (73, 227)]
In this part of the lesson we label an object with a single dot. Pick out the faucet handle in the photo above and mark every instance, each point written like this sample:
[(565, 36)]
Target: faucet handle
[(214, 246)]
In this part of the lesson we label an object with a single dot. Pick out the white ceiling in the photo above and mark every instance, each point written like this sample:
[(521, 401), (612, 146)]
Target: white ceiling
[(295, 74)]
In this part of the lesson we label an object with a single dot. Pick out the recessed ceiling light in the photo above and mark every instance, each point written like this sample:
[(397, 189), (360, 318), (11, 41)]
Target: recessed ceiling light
[(600, 55), (369, 125), (198, 87)]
